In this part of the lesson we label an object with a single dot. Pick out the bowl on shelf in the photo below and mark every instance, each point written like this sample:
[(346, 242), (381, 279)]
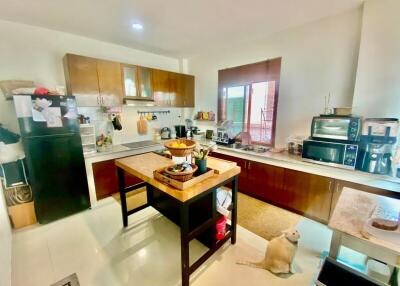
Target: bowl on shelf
[(181, 172), (180, 147)]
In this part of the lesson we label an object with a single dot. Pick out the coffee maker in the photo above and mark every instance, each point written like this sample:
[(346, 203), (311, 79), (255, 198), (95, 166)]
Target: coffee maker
[(378, 138), (375, 158)]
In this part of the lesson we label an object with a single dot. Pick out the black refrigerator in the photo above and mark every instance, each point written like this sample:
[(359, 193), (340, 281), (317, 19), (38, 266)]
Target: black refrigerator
[(55, 164)]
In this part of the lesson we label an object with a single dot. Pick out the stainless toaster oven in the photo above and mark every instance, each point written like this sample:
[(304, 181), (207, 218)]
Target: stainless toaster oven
[(337, 128)]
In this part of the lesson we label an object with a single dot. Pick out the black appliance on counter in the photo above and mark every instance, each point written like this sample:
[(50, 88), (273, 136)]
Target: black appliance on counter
[(56, 168), (334, 141), (342, 155), (377, 141), (180, 131)]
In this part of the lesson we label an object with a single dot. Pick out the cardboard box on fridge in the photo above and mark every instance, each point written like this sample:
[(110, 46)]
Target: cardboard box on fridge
[(22, 215)]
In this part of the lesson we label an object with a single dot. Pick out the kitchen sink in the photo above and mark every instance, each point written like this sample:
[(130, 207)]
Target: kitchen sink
[(140, 144), (252, 148)]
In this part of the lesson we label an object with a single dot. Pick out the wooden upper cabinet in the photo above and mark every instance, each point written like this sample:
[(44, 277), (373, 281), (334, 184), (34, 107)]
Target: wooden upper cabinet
[(110, 83), (92, 81), (182, 90), (188, 90), (97, 82), (81, 79), (161, 87), (175, 90), (137, 82)]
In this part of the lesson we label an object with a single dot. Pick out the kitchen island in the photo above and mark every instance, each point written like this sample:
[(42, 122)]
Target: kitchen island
[(193, 209)]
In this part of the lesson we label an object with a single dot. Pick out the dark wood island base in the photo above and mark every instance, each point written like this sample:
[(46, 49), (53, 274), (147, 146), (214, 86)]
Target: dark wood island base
[(195, 214)]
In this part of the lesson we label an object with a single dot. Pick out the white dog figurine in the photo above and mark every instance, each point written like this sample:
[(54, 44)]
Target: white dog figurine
[(279, 254)]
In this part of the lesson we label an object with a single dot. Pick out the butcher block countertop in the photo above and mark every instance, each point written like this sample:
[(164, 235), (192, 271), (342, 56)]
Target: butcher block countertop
[(142, 166)]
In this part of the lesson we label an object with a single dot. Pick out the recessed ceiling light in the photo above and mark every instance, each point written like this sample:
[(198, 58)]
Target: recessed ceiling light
[(137, 26)]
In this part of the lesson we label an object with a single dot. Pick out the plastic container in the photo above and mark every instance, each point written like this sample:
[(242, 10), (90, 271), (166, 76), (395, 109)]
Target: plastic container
[(220, 226), (295, 144)]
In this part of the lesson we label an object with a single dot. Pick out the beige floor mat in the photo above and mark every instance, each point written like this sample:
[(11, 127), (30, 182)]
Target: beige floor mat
[(264, 219), (133, 199)]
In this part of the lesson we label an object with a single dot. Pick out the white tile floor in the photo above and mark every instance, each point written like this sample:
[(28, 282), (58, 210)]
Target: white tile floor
[(95, 246)]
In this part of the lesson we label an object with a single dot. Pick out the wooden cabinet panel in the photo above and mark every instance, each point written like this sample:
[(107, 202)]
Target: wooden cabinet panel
[(110, 83), (243, 185), (175, 90), (97, 82), (307, 194), (161, 87), (267, 180), (81, 79), (161, 81), (106, 179), (304, 193), (182, 90), (188, 90)]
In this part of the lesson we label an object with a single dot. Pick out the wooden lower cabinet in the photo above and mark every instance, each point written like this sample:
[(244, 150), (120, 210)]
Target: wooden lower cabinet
[(265, 181), (243, 185), (307, 194), (106, 179)]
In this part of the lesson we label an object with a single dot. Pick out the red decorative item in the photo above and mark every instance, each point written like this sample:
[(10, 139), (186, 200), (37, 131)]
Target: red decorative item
[(221, 228), (41, 91)]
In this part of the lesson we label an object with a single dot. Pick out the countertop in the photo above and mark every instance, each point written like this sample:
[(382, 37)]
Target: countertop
[(118, 151), (123, 150), (142, 166), (294, 162)]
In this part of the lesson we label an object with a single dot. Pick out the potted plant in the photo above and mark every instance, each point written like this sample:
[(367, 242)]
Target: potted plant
[(200, 155)]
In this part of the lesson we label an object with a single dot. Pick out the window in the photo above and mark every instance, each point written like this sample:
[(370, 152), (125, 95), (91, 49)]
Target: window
[(248, 95)]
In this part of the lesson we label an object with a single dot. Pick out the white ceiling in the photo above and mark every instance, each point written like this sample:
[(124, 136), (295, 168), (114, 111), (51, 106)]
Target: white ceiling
[(180, 28)]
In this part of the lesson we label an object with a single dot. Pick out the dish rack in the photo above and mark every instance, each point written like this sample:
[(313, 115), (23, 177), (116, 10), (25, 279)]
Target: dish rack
[(88, 138)]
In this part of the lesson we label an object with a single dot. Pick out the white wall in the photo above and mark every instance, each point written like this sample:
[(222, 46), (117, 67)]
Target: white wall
[(34, 53), (317, 58), (5, 243), (377, 91)]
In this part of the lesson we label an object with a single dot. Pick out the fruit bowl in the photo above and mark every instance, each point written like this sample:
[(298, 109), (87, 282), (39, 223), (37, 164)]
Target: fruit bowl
[(181, 172), (180, 147)]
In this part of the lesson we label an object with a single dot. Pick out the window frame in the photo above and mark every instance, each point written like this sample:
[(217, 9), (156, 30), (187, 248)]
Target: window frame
[(271, 74)]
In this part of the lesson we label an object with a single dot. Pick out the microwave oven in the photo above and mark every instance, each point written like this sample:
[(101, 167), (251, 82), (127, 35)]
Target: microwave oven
[(337, 128), (342, 155)]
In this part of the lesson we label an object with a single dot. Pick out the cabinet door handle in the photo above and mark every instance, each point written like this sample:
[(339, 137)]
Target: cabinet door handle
[(330, 185), (249, 164), (98, 100), (102, 100)]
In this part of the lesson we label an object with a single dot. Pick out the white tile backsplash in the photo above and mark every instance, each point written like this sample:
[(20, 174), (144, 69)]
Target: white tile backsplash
[(129, 118)]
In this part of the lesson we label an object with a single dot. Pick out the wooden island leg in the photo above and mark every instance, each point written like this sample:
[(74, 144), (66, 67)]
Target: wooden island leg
[(184, 224), (234, 210), (124, 208)]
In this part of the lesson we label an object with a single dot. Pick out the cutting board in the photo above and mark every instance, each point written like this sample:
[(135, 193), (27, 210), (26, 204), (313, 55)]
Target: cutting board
[(219, 165), (142, 125)]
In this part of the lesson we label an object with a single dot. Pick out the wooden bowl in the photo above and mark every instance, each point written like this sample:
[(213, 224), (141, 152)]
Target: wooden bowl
[(180, 151), (181, 176)]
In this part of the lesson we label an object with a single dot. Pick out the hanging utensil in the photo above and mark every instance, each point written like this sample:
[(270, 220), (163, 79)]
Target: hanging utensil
[(142, 125)]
